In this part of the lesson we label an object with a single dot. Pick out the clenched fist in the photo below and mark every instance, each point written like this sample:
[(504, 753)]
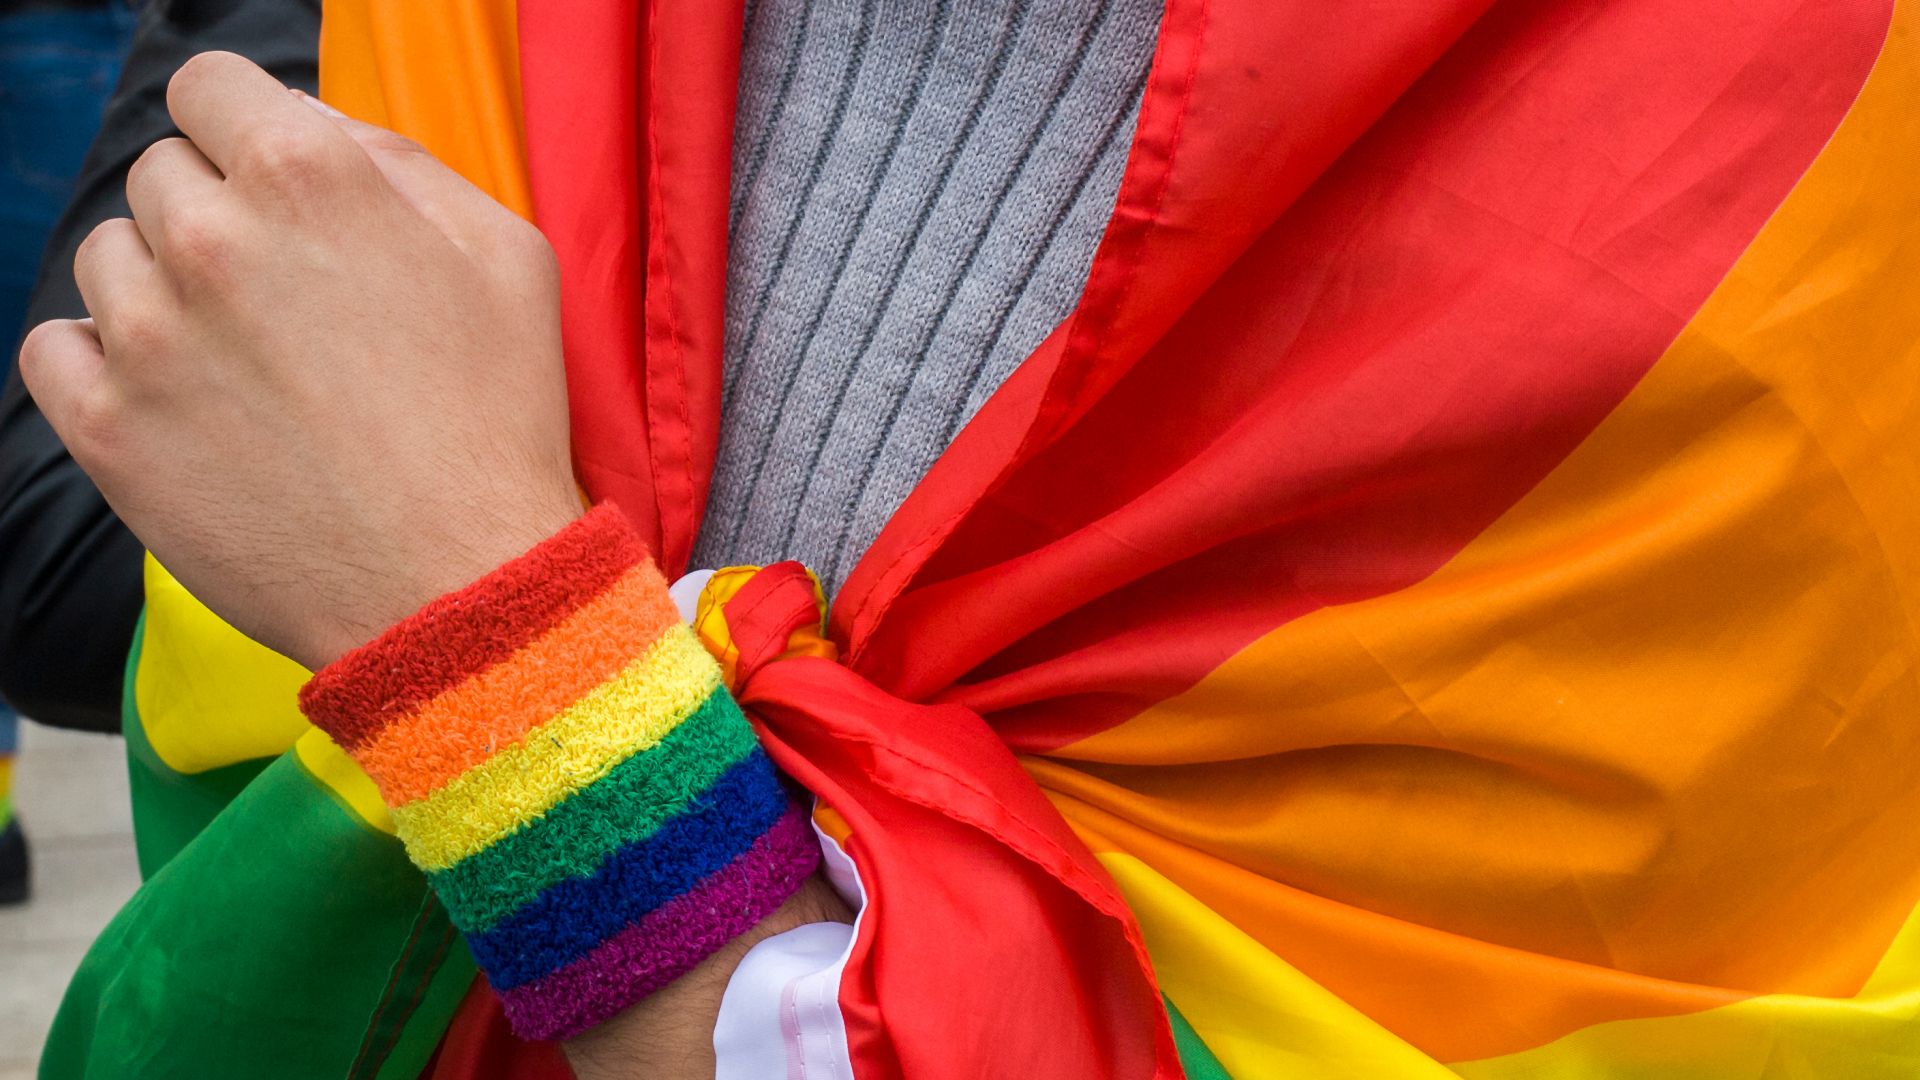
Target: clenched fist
[(322, 380)]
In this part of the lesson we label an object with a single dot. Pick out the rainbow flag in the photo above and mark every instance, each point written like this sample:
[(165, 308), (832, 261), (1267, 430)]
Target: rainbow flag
[(1443, 605)]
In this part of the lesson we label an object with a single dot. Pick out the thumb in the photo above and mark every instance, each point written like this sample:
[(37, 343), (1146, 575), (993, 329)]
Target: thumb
[(443, 196)]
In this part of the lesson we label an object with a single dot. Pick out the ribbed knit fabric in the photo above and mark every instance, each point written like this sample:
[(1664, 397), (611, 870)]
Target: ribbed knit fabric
[(562, 760), (918, 189)]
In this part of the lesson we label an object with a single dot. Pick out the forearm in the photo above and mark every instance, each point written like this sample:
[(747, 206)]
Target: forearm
[(584, 795)]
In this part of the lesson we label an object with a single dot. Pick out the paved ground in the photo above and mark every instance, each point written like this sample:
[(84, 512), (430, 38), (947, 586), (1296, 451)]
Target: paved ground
[(71, 791)]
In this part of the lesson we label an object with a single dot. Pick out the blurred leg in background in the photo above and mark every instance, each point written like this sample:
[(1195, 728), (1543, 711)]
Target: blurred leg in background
[(14, 875), (58, 64)]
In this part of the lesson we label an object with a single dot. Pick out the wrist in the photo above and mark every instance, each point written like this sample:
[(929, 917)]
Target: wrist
[(562, 760), (671, 1032), (446, 553)]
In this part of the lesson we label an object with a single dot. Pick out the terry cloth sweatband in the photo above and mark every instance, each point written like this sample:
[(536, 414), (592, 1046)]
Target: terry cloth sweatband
[(565, 765)]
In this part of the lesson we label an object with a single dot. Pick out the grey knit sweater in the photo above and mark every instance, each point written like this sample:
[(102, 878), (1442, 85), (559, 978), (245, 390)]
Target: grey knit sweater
[(918, 189)]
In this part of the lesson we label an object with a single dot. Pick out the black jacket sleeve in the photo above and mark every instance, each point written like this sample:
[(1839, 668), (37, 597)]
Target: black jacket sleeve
[(69, 571)]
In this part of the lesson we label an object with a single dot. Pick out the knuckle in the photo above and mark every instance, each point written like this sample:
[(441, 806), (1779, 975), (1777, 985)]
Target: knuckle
[(142, 165), (137, 173), (196, 71), (35, 351), (89, 248), (139, 329), (191, 72), (87, 251), (284, 159), (93, 424), (203, 63), (88, 258), (195, 239), (86, 419)]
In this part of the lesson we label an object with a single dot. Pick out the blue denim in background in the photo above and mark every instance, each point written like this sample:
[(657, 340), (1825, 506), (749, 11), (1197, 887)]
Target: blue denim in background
[(58, 64)]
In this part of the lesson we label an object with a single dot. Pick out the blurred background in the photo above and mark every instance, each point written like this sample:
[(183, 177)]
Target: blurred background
[(73, 788), (66, 840)]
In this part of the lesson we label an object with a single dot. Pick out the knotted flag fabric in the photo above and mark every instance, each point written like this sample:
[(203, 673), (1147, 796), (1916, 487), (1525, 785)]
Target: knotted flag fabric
[(1447, 570), (1442, 605)]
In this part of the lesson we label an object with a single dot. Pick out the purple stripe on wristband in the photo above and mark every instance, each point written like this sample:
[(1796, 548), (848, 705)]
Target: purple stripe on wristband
[(670, 940)]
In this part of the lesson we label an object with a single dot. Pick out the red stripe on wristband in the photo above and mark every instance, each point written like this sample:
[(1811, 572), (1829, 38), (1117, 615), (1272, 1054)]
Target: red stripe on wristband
[(465, 632)]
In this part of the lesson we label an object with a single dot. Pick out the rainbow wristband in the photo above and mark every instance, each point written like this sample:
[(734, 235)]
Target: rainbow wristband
[(564, 764)]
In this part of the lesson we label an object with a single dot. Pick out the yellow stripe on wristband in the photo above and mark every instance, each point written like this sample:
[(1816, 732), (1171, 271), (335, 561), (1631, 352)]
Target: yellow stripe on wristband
[(416, 754), (618, 719)]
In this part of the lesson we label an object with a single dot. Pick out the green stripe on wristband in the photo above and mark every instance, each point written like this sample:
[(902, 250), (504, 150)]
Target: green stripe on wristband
[(573, 839)]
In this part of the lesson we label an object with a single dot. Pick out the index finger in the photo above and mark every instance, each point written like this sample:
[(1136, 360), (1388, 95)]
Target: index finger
[(231, 109)]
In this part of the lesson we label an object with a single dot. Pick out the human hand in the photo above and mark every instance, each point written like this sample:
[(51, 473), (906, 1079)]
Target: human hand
[(322, 381)]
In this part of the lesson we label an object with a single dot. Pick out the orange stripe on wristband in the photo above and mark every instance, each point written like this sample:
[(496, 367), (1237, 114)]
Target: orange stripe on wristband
[(518, 785), (417, 754)]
